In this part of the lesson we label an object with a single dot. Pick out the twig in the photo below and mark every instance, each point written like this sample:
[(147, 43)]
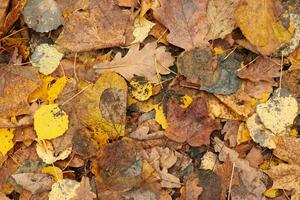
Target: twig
[(280, 78), (231, 178), (74, 67), (76, 94)]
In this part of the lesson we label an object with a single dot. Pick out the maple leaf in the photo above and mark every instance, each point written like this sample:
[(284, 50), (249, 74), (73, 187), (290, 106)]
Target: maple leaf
[(191, 125), (147, 62), (266, 33), (102, 25), (186, 20)]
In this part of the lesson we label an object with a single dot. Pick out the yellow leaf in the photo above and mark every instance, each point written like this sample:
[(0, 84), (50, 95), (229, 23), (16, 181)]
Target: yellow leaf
[(54, 171), (50, 122), (42, 91), (46, 152), (142, 27), (243, 134), (219, 51), (294, 133), (6, 140), (140, 88), (185, 101), (103, 106), (272, 193), (160, 116), (148, 4), (55, 90)]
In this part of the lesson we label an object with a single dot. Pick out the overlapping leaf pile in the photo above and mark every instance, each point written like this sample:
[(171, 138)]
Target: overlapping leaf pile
[(149, 99)]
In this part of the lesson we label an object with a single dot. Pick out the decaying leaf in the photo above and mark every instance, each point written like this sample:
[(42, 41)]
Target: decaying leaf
[(230, 131), (102, 106), (266, 33), (287, 149), (50, 122), (279, 112), (6, 140), (209, 161), (192, 124), (54, 171), (191, 190), (142, 27), (83, 191), (211, 185), (186, 20), (84, 145), (34, 182), (42, 15), (147, 62), (104, 29), (140, 88), (290, 81), (46, 57), (140, 194), (64, 189), (221, 18), (17, 82)]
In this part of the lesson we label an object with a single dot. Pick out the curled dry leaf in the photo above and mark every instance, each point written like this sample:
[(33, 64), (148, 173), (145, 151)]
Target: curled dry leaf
[(90, 29), (147, 62), (186, 20), (266, 33), (42, 15), (191, 125)]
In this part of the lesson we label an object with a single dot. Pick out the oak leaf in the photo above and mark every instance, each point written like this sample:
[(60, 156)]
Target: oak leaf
[(83, 191), (102, 25), (186, 20), (147, 62), (192, 124)]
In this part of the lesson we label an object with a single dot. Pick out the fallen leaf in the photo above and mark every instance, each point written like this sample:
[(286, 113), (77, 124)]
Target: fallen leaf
[(209, 161), (142, 27), (50, 122), (251, 185), (110, 26), (195, 125), (211, 185), (186, 20), (140, 88), (243, 134), (46, 57), (42, 16), (140, 194), (160, 33), (84, 145), (17, 82), (230, 131), (47, 154), (279, 112), (266, 33), (255, 157), (6, 138), (191, 190), (286, 176), (83, 191), (63, 189), (54, 171), (147, 62), (69, 6), (287, 149), (102, 106), (34, 182), (290, 82), (128, 3), (147, 5), (220, 15)]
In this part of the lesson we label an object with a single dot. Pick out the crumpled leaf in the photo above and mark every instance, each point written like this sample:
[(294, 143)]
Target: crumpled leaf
[(147, 62), (34, 182), (6, 140), (191, 125), (46, 57), (50, 122), (83, 191), (102, 106), (266, 33), (64, 189), (47, 154), (42, 15), (17, 82), (142, 27), (279, 112), (110, 26), (252, 185), (186, 20), (214, 75), (221, 18)]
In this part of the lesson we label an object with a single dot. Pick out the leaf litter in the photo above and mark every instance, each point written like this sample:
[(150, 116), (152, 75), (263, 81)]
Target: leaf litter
[(149, 99)]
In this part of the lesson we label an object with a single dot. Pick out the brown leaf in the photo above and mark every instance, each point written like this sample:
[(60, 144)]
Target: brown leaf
[(84, 145), (102, 25), (147, 62), (34, 182), (191, 190), (83, 192), (211, 184), (290, 81), (186, 20), (17, 82), (191, 125), (255, 157), (128, 3), (220, 16), (288, 149), (230, 130), (286, 176), (252, 185)]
